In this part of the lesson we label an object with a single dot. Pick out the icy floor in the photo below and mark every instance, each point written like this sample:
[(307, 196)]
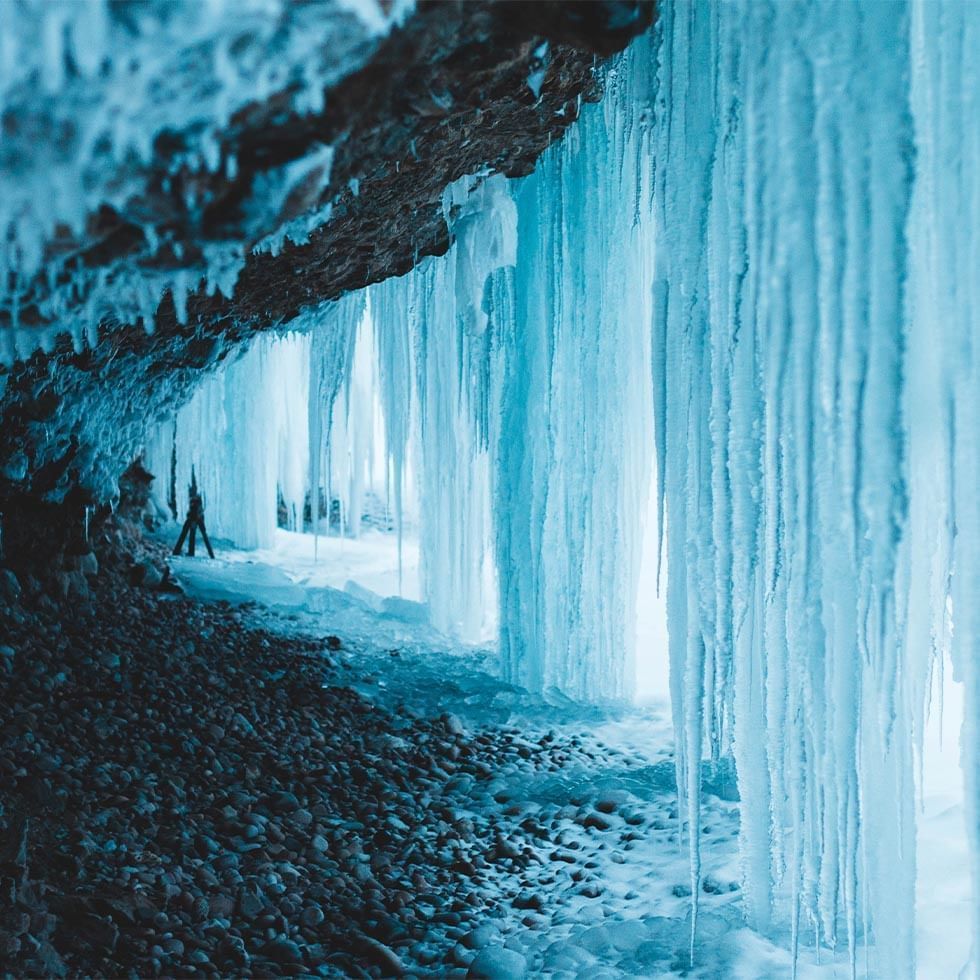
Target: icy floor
[(616, 902)]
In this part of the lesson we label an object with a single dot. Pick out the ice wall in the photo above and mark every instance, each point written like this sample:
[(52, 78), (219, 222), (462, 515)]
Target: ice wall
[(574, 402), (942, 394), (783, 195), (529, 349), (512, 378), (256, 435), (816, 325)]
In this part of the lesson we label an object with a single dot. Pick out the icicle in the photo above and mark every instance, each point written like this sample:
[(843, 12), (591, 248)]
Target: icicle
[(331, 359), (943, 397), (90, 78), (783, 190), (396, 376), (572, 429)]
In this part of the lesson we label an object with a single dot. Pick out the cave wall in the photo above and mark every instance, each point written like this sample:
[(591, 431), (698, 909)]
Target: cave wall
[(317, 203)]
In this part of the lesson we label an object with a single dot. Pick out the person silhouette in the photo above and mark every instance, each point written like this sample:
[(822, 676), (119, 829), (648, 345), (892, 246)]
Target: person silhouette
[(194, 522)]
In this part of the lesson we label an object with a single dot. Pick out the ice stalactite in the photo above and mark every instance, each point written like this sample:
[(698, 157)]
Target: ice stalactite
[(573, 400), (434, 318), (396, 381), (341, 414), (332, 345), (531, 343), (98, 84), (256, 433), (789, 194), (817, 175), (513, 379), (942, 399), (242, 437)]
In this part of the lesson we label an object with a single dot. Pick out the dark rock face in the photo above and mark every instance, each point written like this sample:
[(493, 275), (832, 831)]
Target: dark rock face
[(446, 95)]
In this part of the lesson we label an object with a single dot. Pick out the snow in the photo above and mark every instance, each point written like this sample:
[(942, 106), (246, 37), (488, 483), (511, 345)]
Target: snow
[(943, 898), (349, 589), (640, 923)]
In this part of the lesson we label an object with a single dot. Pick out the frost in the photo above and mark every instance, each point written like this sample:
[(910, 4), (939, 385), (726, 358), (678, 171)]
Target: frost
[(292, 193), (535, 80), (86, 89)]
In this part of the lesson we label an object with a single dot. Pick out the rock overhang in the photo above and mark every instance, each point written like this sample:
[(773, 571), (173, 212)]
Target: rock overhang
[(290, 204)]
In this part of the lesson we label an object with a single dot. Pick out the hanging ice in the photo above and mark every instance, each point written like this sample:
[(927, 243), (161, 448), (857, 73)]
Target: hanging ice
[(574, 401), (788, 195), (94, 85), (817, 200), (520, 400)]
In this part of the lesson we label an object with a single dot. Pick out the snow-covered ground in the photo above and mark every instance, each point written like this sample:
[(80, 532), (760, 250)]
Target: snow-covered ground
[(369, 562), (638, 923)]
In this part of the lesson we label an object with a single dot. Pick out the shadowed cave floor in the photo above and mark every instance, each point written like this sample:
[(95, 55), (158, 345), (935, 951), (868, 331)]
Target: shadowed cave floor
[(202, 788)]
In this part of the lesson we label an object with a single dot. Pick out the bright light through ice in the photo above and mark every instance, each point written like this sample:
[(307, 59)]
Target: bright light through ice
[(652, 664), (942, 887)]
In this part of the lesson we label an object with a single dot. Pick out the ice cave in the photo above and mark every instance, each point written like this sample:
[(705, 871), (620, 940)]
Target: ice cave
[(489, 489)]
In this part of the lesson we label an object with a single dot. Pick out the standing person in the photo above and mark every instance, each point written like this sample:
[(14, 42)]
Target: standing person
[(195, 521)]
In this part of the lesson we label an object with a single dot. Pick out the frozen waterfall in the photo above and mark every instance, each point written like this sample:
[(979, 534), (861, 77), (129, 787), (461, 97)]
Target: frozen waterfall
[(817, 193), (758, 255), (514, 401)]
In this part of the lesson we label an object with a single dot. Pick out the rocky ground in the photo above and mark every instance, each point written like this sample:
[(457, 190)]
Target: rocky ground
[(187, 791)]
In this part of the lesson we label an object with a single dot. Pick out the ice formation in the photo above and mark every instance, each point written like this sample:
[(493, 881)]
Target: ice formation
[(513, 387), (94, 84), (763, 242), (817, 190)]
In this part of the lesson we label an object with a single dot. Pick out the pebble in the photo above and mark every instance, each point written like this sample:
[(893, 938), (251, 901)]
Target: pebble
[(312, 916), (481, 936), (283, 951), (265, 811), (498, 963)]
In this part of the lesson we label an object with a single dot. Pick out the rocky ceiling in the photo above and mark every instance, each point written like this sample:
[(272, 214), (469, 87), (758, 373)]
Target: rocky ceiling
[(317, 204)]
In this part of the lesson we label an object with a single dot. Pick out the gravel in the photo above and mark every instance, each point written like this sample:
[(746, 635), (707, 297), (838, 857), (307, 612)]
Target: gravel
[(186, 794)]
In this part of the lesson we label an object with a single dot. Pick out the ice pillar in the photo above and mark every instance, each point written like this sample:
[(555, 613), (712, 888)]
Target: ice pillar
[(574, 404), (784, 184)]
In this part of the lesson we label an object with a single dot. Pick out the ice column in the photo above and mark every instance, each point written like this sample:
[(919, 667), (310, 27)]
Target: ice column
[(573, 399), (243, 436), (783, 192), (943, 397), (333, 338), (434, 321), (256, 433)]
